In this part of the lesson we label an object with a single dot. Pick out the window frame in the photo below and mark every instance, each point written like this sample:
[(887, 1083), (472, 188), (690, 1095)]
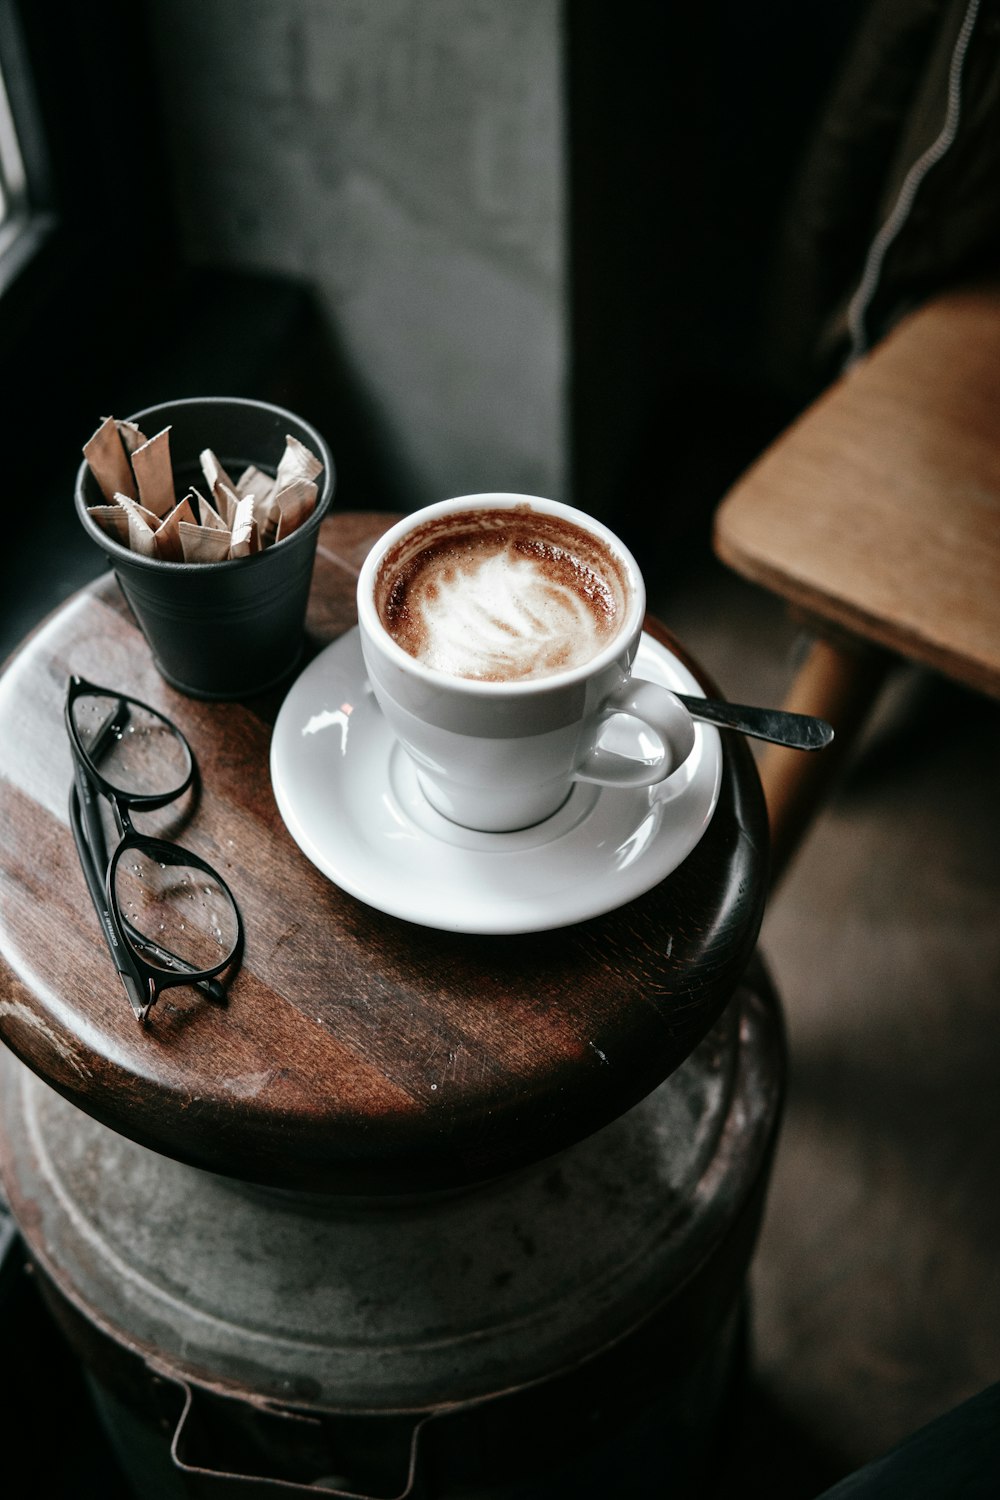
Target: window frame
[(92, 240)]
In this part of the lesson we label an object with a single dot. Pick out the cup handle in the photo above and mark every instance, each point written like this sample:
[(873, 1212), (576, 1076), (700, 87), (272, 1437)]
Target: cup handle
[(659, 710)]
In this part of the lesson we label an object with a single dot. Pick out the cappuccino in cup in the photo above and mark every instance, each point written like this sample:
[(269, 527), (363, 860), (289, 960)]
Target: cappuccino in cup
[(498, 633), (501, 595)]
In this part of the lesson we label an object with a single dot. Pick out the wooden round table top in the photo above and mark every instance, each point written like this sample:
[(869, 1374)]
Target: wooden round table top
[(358, 1052)]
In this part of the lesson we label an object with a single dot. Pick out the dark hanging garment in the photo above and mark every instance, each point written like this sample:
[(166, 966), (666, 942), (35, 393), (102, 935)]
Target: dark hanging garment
[(899, 196)]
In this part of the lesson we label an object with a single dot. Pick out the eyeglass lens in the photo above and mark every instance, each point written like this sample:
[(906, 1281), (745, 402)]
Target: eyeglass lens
[(174, 910), (137, 752)]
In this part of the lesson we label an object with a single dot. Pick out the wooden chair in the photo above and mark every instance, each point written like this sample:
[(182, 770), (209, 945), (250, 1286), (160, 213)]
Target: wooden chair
[(876, 515)]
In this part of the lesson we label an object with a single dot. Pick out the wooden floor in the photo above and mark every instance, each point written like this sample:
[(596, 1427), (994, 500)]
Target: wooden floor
[(876, 1286)]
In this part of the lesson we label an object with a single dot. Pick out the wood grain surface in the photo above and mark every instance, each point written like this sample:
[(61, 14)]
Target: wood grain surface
[(879, 509), (358, 1053)]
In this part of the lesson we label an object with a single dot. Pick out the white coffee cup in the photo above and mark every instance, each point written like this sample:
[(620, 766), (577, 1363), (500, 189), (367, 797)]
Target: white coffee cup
[(499, 755)]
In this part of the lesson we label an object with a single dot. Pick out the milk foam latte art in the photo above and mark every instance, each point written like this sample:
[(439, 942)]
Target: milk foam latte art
[(501, 595)]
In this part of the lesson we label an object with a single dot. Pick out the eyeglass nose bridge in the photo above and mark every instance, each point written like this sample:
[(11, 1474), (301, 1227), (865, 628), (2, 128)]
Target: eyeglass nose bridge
[(124, 826)]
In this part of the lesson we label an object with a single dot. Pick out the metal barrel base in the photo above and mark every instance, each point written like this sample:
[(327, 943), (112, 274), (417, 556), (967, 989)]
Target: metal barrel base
[(575, 1330)]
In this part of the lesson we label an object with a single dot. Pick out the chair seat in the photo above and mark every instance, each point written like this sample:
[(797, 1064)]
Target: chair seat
[(878, 511)]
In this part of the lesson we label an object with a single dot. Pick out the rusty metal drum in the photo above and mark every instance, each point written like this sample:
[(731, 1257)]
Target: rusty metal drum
[(570, 1329)]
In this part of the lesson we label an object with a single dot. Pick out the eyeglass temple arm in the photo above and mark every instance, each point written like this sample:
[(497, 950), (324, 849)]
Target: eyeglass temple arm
[(92, 849), (86, 824)]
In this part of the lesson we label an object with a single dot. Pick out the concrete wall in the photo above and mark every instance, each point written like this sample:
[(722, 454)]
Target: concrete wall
[(406, 158)]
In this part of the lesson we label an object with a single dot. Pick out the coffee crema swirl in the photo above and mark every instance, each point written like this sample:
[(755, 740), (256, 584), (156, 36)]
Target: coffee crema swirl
[(501, 595)]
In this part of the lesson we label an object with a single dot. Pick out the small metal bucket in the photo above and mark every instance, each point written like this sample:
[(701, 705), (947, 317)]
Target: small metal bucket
[(220, 629)]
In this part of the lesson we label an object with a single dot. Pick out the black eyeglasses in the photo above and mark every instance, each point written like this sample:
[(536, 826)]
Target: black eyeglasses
[(168, 917)]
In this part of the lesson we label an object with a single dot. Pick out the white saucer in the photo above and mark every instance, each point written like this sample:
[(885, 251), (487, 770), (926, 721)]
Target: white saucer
[(350, 799)]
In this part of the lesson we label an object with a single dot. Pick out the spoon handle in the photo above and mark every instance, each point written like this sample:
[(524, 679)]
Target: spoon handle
[(797, 731)]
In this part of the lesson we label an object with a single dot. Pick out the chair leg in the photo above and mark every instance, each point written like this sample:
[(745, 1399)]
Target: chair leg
[(838, 682)]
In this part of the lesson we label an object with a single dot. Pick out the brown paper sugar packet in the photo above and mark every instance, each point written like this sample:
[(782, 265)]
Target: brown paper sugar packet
[(260, 487), (130, 435), (220, 486), (245, 536), (207, 514), (154, 476), (227, 501), (168, 538), (204, 543), (255, 482), (297, 462), (142, 526), (140, 510), (108, 460), (267, 515), (295, 504), (113, 519)]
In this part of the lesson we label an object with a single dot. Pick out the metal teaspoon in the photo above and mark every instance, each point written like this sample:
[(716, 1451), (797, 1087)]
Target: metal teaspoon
[(797, 731)]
